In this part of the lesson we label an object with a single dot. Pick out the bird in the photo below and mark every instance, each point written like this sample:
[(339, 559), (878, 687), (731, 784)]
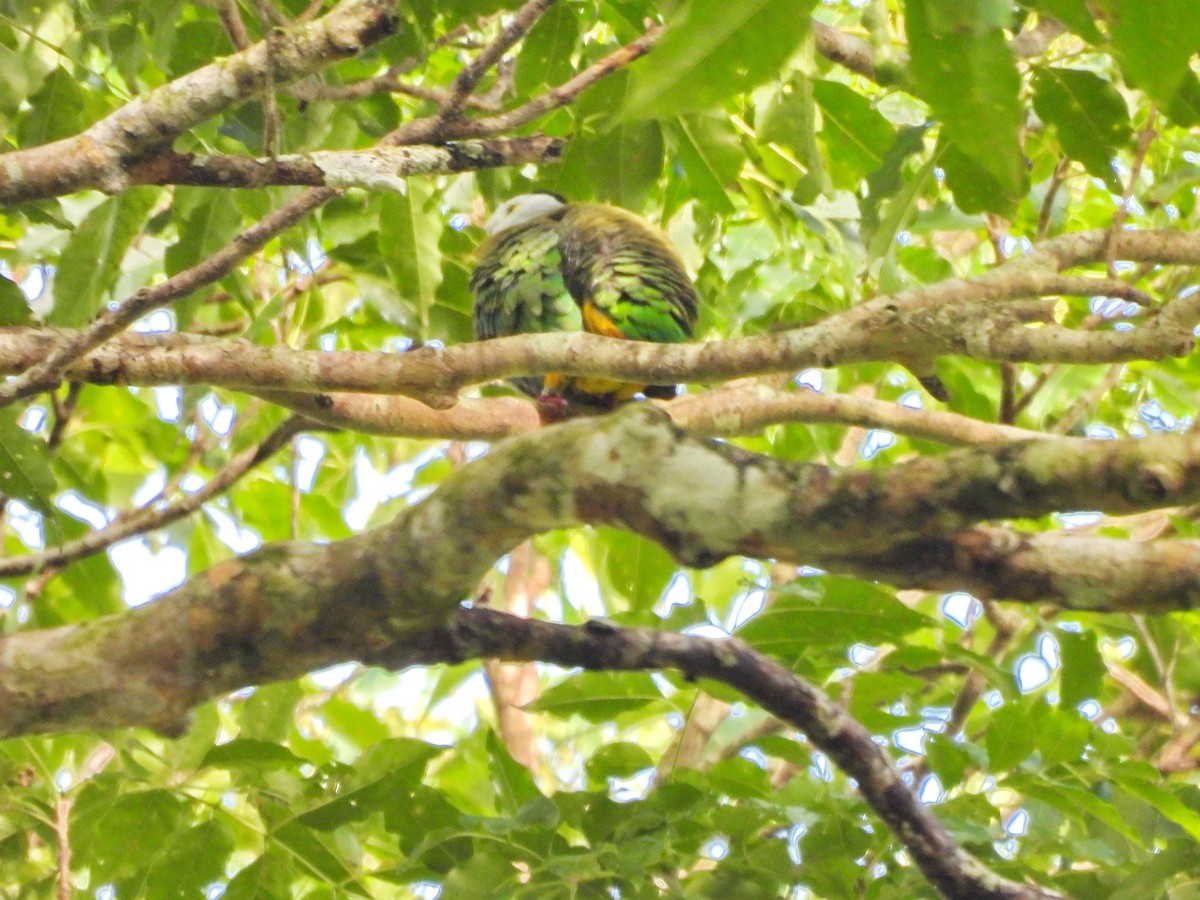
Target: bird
[(552, 265)]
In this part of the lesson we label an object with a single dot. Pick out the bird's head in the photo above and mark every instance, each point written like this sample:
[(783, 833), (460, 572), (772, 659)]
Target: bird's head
[(522, 208)]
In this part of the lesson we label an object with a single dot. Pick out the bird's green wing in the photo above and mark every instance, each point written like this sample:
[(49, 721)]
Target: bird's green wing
[(519, 289), (626, 276)]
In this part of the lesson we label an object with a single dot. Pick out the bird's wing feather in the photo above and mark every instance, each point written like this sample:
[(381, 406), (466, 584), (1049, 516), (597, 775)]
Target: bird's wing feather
[(518, 284), (625, 275)]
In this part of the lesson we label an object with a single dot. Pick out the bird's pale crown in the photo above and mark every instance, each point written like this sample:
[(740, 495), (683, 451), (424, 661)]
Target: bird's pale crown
[(520, 209)]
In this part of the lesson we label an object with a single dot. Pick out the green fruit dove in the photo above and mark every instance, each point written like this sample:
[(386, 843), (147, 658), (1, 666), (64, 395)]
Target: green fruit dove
[(550, 265)]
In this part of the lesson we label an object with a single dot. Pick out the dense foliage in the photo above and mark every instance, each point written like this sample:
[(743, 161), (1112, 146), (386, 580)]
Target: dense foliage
[(801, 169)]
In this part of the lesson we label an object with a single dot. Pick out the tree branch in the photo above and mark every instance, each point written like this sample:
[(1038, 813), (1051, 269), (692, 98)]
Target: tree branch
[(378, 169), (287, 609), (597, 645), (952, 317), (99, 156)]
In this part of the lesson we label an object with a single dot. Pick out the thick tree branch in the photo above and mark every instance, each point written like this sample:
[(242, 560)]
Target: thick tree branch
[(1077, 571), (952, 317), (99, 156), (378, 597), (291, 608), (378, 169)]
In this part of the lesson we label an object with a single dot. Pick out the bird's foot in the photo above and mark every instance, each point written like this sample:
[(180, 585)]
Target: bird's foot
[(552, 408)]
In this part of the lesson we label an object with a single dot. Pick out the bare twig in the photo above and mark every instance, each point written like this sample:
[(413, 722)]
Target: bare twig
[(62, 824), (231, 20), (1145, 138), (152, 516)]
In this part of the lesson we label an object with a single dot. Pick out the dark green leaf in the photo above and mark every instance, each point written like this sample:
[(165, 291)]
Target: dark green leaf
[(545, 57), (1075, 15), (964, 70), (1165, 803), (24, 464), (91, 261), (513, 782), (1083, 668), (620, 760), (190, 861), (1010, 737), (886, 182), (597, 696), (711, 158), (59, 109), (633, 566), (829, 611), (248, 753), (1089, 115), (14, 307), (1076, 803), (1062, 735), (1155, 42), (856, 135), (115, 837), (714, 49)]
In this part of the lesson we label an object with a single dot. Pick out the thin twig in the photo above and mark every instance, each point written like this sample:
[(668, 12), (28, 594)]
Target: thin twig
[(150, 516), (1145, 137)]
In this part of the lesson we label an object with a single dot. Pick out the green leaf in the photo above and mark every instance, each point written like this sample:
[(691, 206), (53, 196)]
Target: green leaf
[(948, 759), (619, 760), (1155, 42), (513, 782), (1062, 735), (14, 307), (829, 611), (887, 182), (356, 805), (24, 465), (115, 837), (1074, 14), (409, 229), (1150, 877), (1082, 667), (597, 696), (317, 857), (711, 158), (789, 118), (189, 861), (964, 70), (267, 876), (975, 189), (1089, 115), (1010, 737), (1076, 803), (714, 49), (545, 57), (91, 261), (205, 221), (857, 137), (1184, 107), (249, 753), (633, 566), (59, 109), (620, 161), (1164, 802)]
